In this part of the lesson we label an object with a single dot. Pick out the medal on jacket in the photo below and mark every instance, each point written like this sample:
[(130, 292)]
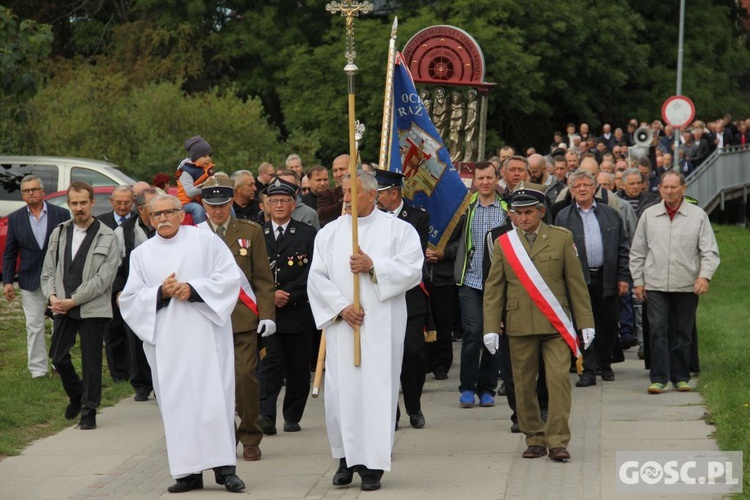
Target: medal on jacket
[(244, 245)]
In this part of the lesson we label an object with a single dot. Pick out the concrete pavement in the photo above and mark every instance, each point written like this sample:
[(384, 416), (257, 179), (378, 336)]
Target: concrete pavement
[(461, 453)]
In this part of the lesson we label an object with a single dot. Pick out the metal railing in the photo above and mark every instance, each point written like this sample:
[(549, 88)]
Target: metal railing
[(723, 176)]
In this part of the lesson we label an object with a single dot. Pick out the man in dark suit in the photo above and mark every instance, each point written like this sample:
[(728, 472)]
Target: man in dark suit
[(413, 370), (603, 250), (115, 338), (252, 315), (130, 235), (28, 234), (289, 244), (318, 176)]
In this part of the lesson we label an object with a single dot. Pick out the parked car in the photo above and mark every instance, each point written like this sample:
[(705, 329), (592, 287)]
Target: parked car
[(56, 173), (60, 198)]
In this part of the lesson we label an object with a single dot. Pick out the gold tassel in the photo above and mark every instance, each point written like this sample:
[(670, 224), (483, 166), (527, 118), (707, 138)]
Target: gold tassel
[(430, 336), (579, 364)]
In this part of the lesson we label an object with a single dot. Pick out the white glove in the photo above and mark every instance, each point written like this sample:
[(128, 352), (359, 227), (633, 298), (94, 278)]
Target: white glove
[(266, 327), (492, 342), (588, 337)]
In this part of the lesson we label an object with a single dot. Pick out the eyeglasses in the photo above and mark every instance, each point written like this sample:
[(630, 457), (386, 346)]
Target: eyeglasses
[(30, 190), (582, 186), (279, 201), (305, 190), (168, 213)]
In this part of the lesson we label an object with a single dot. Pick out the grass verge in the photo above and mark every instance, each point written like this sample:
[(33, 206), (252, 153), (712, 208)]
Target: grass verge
[(723, 323), (31, 409)]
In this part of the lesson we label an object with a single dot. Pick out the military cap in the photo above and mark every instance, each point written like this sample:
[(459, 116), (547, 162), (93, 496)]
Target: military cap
[(526, 196), (218, 191), (387, 179), (280, 186)]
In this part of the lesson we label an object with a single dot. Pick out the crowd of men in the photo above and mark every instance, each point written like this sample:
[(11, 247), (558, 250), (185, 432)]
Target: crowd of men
[(611, 254)]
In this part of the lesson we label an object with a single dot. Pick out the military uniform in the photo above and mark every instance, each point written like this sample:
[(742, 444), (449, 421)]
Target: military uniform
[(529, 330), (288, 351), (245, 240), (413, 368)]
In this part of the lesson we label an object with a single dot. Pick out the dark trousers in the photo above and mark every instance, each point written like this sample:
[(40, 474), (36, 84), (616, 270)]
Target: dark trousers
[(443, 302), (139, 370), (287, 357), (599, 353), (506, 372), (627, 314), (89, 389), (671, 319), (116, 346), (479, 368), (413, 365)]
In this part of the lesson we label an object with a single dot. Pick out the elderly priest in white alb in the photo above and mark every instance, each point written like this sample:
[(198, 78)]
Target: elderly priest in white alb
[(182, 288), (360, 402)]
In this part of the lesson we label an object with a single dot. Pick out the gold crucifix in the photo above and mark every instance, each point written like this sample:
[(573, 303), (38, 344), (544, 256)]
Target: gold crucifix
[(349, 9)]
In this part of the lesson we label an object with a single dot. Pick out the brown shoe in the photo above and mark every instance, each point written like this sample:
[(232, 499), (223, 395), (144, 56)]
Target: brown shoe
[(251, 453), (535, 452), (559, 454)]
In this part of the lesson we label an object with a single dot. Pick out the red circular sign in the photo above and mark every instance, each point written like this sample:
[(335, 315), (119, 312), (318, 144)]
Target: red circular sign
[(445, 55), (678, 111)]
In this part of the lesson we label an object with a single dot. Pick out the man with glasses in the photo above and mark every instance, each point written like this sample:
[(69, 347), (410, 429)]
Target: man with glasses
[(130, 235), (289, 244), (183, 285), (115, 339), (79, 268), (599, 235), (29, 229)]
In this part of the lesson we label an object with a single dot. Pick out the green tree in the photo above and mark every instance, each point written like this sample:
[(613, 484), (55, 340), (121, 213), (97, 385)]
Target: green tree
[(22, 44), (100, 115)]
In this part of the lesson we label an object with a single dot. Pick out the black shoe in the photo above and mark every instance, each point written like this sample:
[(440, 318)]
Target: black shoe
[(417, 420), (641, 353), (586, 380), (291, 426), (343, 475), (608, 375), (515, 428), (544, 412), (370, 479), (88, 421), (231, 482), (141, 396), (266, 425), (187, 483), (440, 374), (73, 409), (457, 338)]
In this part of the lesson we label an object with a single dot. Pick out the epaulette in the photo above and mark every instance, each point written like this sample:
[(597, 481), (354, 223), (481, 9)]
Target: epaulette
[(250, 222), (419, 207), (559, 228)]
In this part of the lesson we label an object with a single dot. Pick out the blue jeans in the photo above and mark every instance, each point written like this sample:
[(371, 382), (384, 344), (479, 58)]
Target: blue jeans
[(196, 210), (671, 319), (479, 368)]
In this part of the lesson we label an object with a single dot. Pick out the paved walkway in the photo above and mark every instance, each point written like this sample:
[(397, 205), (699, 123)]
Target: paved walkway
[(461, 453)]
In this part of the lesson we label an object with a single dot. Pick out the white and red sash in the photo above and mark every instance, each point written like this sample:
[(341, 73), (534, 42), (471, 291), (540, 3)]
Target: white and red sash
[(535, 286), (247, 296)]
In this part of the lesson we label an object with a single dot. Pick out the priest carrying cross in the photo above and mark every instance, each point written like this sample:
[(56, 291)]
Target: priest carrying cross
[(360, 402)]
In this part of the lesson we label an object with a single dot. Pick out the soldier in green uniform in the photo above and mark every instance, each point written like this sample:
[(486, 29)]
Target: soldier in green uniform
[(557, 278), (252, 315)]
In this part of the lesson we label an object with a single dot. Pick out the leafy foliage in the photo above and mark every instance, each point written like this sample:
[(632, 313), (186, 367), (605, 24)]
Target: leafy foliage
[(581, 60), (23, 43), (99, 115)]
